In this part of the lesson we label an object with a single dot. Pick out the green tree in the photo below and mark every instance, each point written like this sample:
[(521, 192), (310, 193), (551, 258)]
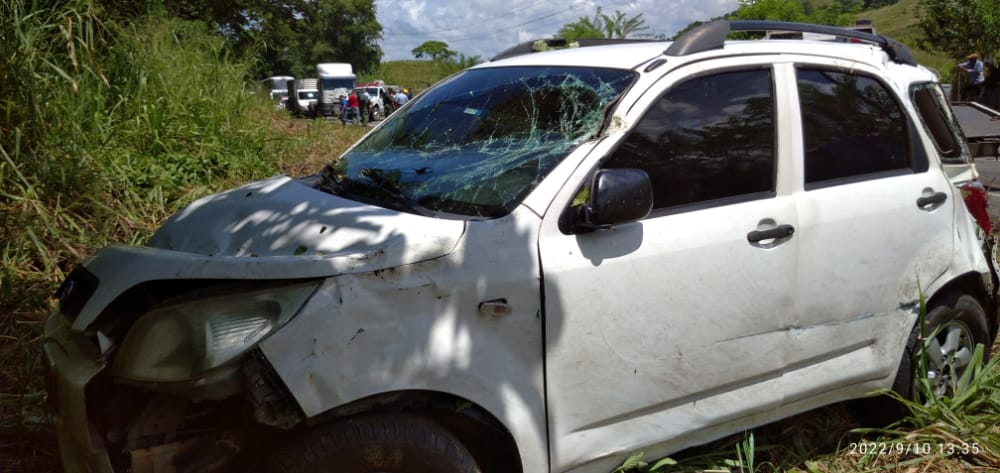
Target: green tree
[(615, 25), (343, 31), (778, 10), (958, 28), (433, 49), (583, 28), (289, 36), (451, 65), (618, 25)]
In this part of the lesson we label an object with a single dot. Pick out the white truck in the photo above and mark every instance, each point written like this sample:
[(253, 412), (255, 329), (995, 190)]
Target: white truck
[(277, 87), (335, 79), (303, 95), (380, 99)]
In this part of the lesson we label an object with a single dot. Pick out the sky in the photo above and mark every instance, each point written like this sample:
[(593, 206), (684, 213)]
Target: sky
[(486, 27)]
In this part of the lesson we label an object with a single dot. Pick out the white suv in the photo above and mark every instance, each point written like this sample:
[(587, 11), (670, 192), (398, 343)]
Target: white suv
[(543, 264)]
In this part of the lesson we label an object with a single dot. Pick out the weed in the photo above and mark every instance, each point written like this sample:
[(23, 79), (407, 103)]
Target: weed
[(105, 130)]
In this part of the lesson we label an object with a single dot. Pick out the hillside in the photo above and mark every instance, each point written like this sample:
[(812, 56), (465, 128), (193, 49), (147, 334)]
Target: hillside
[(899, 22), (413, 74)]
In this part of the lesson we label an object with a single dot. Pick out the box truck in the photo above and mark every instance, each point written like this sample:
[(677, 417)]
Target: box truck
[(335, 79)]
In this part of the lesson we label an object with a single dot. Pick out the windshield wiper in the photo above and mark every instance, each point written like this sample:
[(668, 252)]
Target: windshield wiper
[(389, 188), (330, 182)]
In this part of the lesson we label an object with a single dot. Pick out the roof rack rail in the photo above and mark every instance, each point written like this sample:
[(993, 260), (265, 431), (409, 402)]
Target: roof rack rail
[(529, 47), (713, 36)]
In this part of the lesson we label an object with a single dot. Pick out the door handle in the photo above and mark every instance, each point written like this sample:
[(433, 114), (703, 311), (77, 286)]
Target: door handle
[(781, 231), (931, 202)]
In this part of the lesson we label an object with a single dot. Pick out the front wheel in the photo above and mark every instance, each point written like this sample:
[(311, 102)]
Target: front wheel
[(375, 443)]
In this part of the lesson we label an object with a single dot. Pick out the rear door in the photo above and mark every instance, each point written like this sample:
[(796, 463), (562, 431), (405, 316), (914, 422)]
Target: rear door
[(875, 225)]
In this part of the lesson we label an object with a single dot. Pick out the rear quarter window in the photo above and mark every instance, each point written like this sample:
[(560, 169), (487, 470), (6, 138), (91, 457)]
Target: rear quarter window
[(938, 119)]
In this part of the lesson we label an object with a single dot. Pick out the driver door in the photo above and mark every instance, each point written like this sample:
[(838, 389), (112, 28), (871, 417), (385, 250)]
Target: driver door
[(677, 323)]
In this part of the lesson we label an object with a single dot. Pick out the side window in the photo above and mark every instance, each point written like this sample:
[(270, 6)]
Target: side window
[(852, 127), (710, 138), (939, 120)]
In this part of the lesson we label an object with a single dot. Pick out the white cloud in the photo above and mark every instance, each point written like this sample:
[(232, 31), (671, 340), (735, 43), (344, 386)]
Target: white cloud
[(486, 27)]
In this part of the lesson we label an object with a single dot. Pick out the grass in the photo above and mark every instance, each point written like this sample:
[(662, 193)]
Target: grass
[(418, 75), (105, 130)]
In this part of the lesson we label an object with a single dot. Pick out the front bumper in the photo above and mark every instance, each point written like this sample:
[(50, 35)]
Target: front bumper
[(72, 362), (106, 425)]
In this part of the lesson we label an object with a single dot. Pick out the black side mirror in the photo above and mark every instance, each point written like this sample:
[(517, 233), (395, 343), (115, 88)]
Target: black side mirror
[(617, 195)]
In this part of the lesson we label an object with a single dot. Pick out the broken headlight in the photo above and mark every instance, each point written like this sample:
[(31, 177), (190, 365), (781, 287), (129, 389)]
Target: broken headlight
[(184, 338)]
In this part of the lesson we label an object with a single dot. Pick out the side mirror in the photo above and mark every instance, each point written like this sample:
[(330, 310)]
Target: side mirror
[(617, 196)]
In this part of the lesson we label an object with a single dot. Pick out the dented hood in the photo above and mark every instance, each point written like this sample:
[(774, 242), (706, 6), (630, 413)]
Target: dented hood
[(284, 217), (278, 228)]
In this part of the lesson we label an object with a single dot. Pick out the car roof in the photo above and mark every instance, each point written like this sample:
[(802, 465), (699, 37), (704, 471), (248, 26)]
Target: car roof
[(709, 41)]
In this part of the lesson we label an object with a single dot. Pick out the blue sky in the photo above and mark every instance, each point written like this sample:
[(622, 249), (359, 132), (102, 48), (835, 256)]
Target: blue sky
[(486, 27)]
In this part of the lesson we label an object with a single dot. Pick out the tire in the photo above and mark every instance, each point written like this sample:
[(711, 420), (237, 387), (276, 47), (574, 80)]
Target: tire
[(961, 323), (375, 443)]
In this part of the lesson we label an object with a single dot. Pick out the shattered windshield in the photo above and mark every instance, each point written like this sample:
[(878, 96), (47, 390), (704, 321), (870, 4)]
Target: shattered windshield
[(477, 144)]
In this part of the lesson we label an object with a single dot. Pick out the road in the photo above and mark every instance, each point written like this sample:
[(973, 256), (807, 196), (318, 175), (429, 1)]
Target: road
[(989, 175)]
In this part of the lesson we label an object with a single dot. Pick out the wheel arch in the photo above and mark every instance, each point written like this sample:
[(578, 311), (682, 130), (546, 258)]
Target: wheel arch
[(482, 433), (970, 283)]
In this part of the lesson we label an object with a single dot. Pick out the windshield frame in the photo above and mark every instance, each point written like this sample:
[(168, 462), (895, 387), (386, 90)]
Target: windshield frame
[(475, 145)]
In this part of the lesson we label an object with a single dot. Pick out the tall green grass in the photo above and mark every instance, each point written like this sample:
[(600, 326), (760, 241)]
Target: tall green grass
[(106, 128)]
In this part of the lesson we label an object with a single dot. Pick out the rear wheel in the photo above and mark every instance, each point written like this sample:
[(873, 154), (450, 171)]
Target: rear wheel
[(375, 443), (960, 327)]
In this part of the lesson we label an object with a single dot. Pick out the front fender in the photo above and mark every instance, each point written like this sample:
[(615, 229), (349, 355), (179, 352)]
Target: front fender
[(421, 327)]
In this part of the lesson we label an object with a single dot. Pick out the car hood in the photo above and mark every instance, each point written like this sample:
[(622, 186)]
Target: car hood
[(278, 228), (284, 217)]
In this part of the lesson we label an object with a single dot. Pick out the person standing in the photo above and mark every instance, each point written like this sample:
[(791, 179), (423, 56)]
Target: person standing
[(973, 68), (355, 107), (343, 109), (400, 99), (364, 103)]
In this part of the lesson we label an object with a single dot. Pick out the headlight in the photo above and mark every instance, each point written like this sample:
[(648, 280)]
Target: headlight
[(183, 338)]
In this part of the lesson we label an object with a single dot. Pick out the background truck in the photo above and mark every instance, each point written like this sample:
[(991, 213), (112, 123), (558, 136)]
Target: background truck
[(302, 97), (380, 98), (335, 79), (277, 86)]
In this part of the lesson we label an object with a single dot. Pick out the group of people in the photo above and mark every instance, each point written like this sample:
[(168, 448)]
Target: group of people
[(981, 82), (352, 104)]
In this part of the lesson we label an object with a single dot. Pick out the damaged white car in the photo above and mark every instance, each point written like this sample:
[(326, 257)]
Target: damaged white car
[(543, 264)]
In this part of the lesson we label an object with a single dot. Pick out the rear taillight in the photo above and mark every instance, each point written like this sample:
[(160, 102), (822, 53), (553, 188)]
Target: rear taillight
[(977, 201)]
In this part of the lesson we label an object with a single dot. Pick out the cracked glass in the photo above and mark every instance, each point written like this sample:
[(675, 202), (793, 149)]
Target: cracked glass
[(478, 143)]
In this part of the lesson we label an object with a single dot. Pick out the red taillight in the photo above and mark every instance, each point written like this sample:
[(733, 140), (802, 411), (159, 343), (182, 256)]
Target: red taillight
[(977, 201)]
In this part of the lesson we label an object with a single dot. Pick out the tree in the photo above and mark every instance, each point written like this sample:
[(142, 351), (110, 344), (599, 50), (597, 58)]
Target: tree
[(433, 49), (457, 63), (616, 25), (581, 29), (779, 10), (959, 28), (342, 31), (290, 36)]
